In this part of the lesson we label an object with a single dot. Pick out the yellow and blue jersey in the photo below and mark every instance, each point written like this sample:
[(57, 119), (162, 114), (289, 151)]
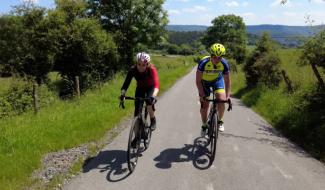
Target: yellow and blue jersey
[(211, 72)]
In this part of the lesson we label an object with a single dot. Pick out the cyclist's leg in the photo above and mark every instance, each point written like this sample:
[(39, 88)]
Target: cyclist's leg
[(204, 104), (148, 94), (139, 92), (150, 108), (220, 95)]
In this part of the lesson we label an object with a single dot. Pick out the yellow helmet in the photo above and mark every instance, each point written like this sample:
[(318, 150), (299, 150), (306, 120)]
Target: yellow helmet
[(217, 50)]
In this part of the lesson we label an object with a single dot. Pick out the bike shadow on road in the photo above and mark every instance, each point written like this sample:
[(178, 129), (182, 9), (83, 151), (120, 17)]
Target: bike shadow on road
[(197, 153), (112, 161)]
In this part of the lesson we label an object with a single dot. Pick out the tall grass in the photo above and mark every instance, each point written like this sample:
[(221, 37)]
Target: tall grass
[(25, 139), (299, 115), (238, 81), (301, 75), (5, 84)]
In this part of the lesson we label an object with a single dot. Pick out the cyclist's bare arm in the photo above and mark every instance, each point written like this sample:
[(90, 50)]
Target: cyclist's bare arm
[(227, 85), (199, 83), (155, 92)]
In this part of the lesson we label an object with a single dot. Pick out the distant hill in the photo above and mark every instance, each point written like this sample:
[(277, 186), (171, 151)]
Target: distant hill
[(186, 28), (286, 35), (275, 30)]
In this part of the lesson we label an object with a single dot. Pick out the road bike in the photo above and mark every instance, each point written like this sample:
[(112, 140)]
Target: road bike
[(140, 131), (214, 124)]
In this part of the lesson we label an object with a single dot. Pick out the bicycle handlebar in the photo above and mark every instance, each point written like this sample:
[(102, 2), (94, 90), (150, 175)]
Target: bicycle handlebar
[(132, 98), (221, 101)]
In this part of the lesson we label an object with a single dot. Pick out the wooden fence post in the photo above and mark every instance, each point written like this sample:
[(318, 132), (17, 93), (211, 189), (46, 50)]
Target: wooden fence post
[(35, 97), (287, 81), (318, 76), (77, 87)]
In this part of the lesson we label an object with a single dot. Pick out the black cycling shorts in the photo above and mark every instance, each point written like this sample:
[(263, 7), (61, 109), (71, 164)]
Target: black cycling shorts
[(143, 93)]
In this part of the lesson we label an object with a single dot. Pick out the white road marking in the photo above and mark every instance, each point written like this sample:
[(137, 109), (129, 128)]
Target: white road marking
[(287, 176), (235, 147), (209, 187), (279, 151)]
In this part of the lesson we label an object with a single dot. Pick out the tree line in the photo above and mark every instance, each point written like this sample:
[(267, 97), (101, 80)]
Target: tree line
[(91, 39)]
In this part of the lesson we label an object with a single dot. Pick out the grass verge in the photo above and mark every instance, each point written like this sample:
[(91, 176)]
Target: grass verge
[(25, 139)]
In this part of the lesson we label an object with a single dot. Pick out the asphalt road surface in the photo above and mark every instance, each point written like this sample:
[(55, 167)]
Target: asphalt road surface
[(250, 154)]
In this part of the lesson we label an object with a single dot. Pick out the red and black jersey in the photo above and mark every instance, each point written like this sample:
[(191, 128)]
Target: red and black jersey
[(147, 79)]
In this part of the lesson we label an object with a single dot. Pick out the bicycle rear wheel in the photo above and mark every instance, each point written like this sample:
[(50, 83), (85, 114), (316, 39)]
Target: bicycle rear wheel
[(134, 144)]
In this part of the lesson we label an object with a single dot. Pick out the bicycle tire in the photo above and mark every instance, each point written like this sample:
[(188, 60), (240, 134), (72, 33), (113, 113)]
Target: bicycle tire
[(133, 153), (213, 136), (146, 129)]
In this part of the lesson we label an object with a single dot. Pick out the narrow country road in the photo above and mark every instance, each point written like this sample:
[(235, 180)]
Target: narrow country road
[(250, 154)]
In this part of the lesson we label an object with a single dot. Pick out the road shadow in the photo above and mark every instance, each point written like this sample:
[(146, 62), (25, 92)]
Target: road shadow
[(282, 143), (265, 129), (112, 161), (197, 153)]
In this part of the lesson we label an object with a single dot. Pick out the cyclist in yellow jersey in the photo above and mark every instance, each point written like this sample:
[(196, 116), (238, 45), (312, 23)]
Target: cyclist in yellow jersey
[(213, 71)]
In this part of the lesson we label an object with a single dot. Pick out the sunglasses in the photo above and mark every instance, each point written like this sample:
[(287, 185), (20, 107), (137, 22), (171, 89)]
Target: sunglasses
[(141, 64), (215, 57)]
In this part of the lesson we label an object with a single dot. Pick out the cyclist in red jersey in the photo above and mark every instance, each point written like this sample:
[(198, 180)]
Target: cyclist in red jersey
[(146, 75)]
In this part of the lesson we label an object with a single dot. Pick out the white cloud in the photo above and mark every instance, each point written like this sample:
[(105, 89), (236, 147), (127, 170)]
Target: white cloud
[(245, 4), (319, 1), (278, 3), (211, 0), (183, 0), (290, 14), (318, 17), (29, 1), (174, 12), (271, 16), (251, 15), (195, 9), (232, 4)]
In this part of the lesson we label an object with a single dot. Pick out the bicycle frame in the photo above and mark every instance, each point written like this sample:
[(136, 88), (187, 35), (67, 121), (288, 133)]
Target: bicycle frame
[(139, 127), (142, 111), (213, 123)]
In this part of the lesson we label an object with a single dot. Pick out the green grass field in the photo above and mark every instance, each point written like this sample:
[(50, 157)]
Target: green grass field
[(25, 139), (293, 113), (5, 84)]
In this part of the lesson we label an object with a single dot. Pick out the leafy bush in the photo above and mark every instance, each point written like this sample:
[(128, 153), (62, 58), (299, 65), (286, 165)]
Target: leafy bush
[(263, 65), (19, 98), (87, 51), (314, 54), (305, 122)]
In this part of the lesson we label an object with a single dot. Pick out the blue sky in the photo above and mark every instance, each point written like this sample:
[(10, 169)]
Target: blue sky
[(201, 12)]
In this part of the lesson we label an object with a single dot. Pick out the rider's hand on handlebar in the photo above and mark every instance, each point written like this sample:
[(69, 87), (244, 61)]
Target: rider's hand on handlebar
[(153, 100), (229, 104), (203, 98), (122, 98)]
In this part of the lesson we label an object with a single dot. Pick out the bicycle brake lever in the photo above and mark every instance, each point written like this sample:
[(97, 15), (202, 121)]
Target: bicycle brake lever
[(122, 105), (229, 105)]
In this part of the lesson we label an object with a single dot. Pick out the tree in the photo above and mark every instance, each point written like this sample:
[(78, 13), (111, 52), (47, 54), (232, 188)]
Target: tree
[(132, 22), (173, 49), (314, 54), (230, 31), (10, 35), (186, 50), (263, 65), (87, 50), (29, 42)]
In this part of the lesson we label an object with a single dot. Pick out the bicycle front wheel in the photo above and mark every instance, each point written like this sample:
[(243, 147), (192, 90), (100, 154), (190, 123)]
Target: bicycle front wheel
[(147, 130), (134, 144), (213, 136)]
